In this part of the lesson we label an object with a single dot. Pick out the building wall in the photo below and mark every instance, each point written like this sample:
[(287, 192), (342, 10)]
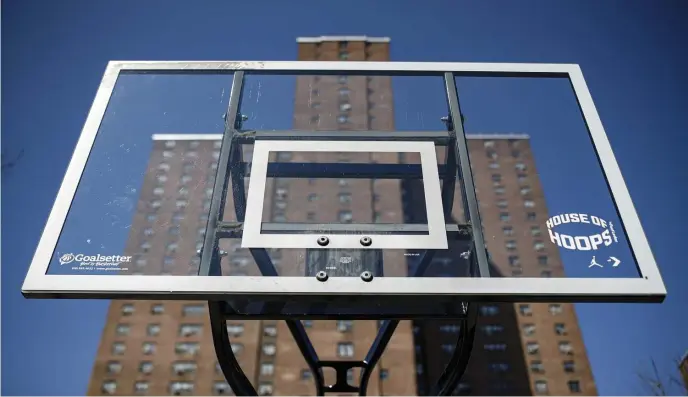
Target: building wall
[(417, 352)]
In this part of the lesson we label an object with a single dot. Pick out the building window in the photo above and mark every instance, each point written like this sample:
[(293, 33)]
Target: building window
[(491, 154), (448, 348), (343, 79), (109, 387), (448, 328), (269, 349), (191, 153), (521, 166), (499, 367), (193, 310), (164, 166), (545, 274), (539, 245), (307, 323), (525, 310), (183, 191), (345, 349), (345, 107), (343, 92), (343, 119), (345, 325), (186, 348), (343, 55), (162, 178), (237, 348), (153, 329), (565, 348), (511, 245), (148, 348), (265, 389), (488, 144), (525, 190), (533, 348), (529, 203), (528, 329), (555, 308), (542, 260), (270, 330), (122, 329), (315, 119), (496, 178), (181, 203), (531, 216), (235, 330), (574, 386), (569, 366), (499, 190), (114, 367), (181, 388), (267, 369), (146, 367), (306, 374), (537, 367), (158, 191), (494, 165), (345, 198), (157, 308), (502, 203), (221, 388), (140, 387), (489, 310), (560, 328), (540, 386), (508, 230), (492, 329), (495, 346), (145, 247), (514, 261), (118, 348), (535, 231), (190, 329), (345, 216), (504, 217)]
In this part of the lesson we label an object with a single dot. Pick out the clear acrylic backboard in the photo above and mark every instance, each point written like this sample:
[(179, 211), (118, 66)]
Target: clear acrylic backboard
[(306, 182)]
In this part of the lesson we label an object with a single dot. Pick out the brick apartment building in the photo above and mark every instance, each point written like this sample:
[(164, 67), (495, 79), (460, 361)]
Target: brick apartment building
[(165, 347)]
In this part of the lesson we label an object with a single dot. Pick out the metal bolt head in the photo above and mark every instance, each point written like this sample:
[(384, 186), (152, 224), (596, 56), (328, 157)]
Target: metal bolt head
[(321, 276), (367, 276), (366, 241), (323, 241)]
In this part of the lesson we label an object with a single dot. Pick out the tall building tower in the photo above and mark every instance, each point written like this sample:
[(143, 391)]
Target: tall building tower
[(165, 347)]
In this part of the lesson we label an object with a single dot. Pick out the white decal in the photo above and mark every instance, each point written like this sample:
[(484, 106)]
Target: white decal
[(94, 262), (615, 260), (594, 263), (581, 243)]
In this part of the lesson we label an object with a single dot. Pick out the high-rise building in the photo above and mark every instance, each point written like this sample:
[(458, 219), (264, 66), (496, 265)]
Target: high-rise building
[(165, 347)]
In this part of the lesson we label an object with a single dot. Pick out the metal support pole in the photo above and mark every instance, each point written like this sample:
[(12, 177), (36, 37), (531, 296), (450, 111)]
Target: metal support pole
[(470, 200)]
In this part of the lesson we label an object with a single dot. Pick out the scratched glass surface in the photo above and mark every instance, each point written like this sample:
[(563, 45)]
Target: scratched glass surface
[(132, 210)]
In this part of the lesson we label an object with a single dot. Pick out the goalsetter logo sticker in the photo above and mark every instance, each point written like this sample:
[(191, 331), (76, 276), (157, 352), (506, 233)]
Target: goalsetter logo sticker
[(605, 238)]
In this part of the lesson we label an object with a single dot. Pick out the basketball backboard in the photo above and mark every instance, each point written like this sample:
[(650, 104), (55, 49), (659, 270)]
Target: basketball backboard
[(281, 185)]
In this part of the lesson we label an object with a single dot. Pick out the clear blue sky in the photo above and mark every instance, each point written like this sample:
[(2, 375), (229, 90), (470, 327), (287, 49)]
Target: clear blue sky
[(54, 54)]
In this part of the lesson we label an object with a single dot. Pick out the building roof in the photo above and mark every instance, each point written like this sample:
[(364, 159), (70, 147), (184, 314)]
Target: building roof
[(320, 39)]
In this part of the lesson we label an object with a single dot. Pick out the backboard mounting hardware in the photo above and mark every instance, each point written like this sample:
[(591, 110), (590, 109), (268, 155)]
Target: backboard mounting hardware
[(323, 241), (321, 276), (366, 241), (367, 276)]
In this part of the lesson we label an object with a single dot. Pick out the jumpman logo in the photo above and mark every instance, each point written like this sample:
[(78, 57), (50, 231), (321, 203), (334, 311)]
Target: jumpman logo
[(594, 263)]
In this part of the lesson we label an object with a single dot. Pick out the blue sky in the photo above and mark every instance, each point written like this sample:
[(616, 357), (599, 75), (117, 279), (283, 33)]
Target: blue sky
[(54, 54)]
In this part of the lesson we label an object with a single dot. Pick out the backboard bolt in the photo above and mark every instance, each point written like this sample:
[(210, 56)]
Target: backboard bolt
[(323, 241), (367, 276), (366, 241), (321, 276)]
